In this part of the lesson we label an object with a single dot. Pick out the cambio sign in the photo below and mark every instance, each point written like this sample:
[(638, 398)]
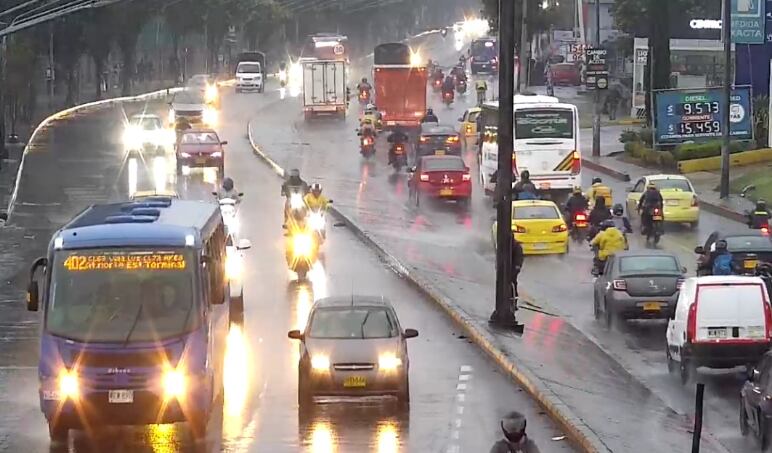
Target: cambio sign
[(702, 24)]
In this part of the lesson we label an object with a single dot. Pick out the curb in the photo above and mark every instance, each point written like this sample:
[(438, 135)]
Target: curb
[(592, 165), (78, 108), (580, 434)]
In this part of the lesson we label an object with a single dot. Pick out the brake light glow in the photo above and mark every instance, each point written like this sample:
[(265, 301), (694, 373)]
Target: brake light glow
[(366, 141), (619, 285), (399, 148), (559, 228), (765, 229), (424, 177), (691, 323), (466, 177), (656, 211), (468, 128), (576, 163), (580, 217)]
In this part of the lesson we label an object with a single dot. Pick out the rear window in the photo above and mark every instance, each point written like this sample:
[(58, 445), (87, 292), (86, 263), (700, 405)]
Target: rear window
[(484, 49), (202, 138), (544, 123), (673, 184), (443, 164), (644, 264), (472, 117), (749, 244), (720, 294), (535, 212)]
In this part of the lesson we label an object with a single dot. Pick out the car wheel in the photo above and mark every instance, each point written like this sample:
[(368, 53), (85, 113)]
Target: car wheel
[(305, 396), (404, 392), (694, 225), (743, 419), (686, 370), (671, 366), (609, 312), (595, 307), (465, 203), (58, 432), (198, 425)]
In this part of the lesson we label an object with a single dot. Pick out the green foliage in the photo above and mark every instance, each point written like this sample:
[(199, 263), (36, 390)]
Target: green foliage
[(689, 151), (761, 120), (642, 135), (650, 157)]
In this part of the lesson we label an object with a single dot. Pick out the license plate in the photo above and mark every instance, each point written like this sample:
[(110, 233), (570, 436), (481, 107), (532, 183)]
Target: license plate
[(439, 152), (120, 396), (355, 381), (657, 217), (545, 186), (750, 264), (651, 306), (201, 160), (672, 202), (717, 333), (539, 246), (444, 192)]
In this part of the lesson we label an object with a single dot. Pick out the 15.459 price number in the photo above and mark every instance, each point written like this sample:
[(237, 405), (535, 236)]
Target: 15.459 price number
[(699, 127)]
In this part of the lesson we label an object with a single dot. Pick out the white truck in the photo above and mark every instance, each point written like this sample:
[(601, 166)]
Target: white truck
[(324, 88)]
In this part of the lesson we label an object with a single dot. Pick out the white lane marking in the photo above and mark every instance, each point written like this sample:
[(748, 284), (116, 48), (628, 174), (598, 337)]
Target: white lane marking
[(464, 376)]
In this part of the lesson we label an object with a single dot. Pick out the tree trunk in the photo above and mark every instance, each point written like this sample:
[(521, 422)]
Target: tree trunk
[(70, 98), (128, 67), (99, 67)]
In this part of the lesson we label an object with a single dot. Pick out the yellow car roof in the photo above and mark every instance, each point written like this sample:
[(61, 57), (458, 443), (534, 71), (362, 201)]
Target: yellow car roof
[(522, 203), (663, 176)]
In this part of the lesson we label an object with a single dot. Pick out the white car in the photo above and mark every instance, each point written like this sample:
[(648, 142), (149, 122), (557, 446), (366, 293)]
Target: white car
[(249, 76), (145, 129)]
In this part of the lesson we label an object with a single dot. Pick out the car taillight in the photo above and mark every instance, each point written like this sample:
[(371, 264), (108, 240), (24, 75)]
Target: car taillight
[(518, 229), (679, 284), (691, 323), (694, 202), (514, 163), (424, 177), (366, 141), (559, 228), (576, 163), (768, 319), (468, 128), (399, 148), (423, 139), (452, 139), (466, 177), (581, 217), (619, 285)]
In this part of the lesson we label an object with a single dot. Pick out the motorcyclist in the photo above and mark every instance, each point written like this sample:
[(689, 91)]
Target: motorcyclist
[(430, 117), (481, 87), (397, 136), (364, 85), (462, 61), (448, 85), (367, 128), (437, 74), (608, 242), (650, 200), (721, 262), (599, 214), (759, 217), (294, 183), (598, 189), (315, 200), (620, 220), (576, 203), (515, 439), (524, 189), (227, 190)]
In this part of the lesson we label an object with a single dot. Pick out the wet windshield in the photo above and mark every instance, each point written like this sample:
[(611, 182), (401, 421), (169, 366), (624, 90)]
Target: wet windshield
[(443, 164), (749, 244), (124, 295), (148, 124), (200, 138), (352, 323), (248, 67), (673, 184), (642, 264), (534, 212)]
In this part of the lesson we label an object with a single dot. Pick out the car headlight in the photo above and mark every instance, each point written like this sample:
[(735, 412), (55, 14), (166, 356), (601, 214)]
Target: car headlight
[(171, 116), (184, 155), (296, 201), (174, 382), (69, 387), (302, 245), (210, 116), (320, 363), (211, 93), (233, 266), (389, 362)]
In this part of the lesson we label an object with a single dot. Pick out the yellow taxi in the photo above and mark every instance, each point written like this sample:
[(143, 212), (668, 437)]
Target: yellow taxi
[(681, 204), (539, 227), (468, 127)]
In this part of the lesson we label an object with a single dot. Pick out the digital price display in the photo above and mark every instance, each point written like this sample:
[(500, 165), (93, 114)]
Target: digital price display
[(127, 261), (697, 115)]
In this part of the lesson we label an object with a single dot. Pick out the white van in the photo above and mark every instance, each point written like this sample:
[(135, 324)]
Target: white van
[(249, 76), (719, 322)]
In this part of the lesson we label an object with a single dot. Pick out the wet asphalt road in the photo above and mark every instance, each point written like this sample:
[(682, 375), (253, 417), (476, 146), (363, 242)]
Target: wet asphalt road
[(453, 247), (81, 161)]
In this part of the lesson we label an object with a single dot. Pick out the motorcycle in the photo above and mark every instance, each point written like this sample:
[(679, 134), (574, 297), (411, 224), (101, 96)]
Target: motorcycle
[(764, 270), (294, 205), (367, 146), (398, 156), (229, 210), (447, 98), (317, 221), (762, 225), (364, 97), (656, 228), (461, 86), (437, 82), (579, 226), (302, 249)]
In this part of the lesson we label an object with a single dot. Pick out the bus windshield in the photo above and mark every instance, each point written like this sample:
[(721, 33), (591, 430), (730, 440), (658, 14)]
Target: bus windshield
[(122, 295), (544, 123), (484, 49)]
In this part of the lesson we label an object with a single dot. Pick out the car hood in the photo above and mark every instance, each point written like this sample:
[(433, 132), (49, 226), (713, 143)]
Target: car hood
[(352, 351)]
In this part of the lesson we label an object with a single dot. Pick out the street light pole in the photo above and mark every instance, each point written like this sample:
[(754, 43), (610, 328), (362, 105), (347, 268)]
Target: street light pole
[(596, 113), (726, 25), (504, 314), (525, 62)]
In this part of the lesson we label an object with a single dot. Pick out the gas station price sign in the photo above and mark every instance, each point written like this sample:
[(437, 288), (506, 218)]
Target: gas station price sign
[(697, 115)]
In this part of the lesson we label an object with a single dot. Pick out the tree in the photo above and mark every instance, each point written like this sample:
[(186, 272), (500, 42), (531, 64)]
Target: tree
[(182, 18), (99, 34), (68, 48), (266, 20), (21, 68), (131, 16)]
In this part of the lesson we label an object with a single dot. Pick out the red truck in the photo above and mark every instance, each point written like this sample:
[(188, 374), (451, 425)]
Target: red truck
[(400, 88)]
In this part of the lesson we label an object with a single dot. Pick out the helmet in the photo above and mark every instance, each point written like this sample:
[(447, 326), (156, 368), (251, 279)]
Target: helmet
[(294, 173), (721, 244), (607, 224), (316, 188), (513, 426), (651, 185), (761, 205), (577, 190), (227, 184), (370, 107), (596, 180), (429, 111), (364, 79), (525, 175), (618, 209)]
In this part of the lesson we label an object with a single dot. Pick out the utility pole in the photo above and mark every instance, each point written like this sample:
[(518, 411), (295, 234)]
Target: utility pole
[(52, 77), (3, 97), (726, 25), (522, 80), (504, 314), (596, 113)]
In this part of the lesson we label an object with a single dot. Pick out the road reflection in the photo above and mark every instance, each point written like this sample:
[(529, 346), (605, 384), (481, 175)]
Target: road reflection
[(379, 425)]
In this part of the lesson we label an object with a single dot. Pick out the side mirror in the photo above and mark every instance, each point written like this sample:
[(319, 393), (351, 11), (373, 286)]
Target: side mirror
[(4, 216), (684, 269), (214, 193), (241, 194), (754, 375), (244, 244), (295, 335), (224, 142), (411, 170), (460, 118), (410, 333), (329, 201), (700, 250), (33, 295)]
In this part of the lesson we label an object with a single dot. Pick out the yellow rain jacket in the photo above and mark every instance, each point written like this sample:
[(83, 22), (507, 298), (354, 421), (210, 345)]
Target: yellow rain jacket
[(599, 190), (609, 242), (316, 203)]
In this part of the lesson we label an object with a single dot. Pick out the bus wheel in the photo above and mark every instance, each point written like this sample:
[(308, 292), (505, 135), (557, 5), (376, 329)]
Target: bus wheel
[(198, 425), (58, 432)]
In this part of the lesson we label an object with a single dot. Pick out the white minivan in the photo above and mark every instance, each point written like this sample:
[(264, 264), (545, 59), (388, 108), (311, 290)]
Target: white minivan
[(249, 76), (719, 322)]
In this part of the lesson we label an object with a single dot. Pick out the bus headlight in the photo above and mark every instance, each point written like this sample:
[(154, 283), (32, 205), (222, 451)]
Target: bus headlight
[(302, 245), (174, 382), (210, 116), (68, 385)]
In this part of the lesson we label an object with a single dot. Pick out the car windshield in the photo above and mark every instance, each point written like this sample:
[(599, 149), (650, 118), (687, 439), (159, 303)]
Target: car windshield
[(200, 138), (352, 323), (749, 244), (188, 98), (443, 164), (534, 212), (544, 123), (644, 264), (125, 295), (148, 124), (673, 184), (248, 67)]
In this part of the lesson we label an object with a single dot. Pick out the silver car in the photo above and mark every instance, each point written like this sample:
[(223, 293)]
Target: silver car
[(637, 285), (353, 346)]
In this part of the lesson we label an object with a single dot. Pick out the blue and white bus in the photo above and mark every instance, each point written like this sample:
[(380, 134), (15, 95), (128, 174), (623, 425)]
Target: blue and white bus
[(135, 316)]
